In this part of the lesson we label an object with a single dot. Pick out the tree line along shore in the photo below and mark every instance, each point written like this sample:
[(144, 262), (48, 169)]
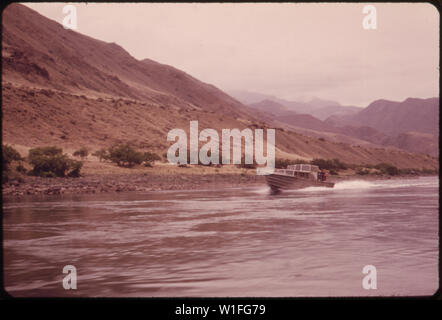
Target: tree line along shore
[(120, 168)]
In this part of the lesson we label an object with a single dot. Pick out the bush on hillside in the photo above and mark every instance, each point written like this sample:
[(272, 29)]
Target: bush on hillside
[(387, 168), (125, 156), (51, 162), (9, 154), (329, 164), (283, 163), (149, 158), (21, 169), (429, 171)]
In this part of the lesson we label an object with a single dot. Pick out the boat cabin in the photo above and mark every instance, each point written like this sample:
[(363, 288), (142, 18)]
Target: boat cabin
[(306, 171)]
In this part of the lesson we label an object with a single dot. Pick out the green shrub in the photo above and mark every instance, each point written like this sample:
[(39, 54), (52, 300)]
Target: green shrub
[(149, 157), (283, 163), (322, 163), (75, 168), (9, 154), (9, 176), (47, 151), (21, 169), (339, 165), (387, 168), (352, 166), (429, 171), (392, 171), (329, 164), (125, 156), (82, 153), (51, 162)]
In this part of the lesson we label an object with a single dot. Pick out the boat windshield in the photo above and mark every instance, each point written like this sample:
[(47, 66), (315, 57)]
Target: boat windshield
[(303, 168)]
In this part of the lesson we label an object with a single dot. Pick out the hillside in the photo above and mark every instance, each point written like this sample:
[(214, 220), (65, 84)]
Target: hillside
[(66, 89), (39, 52), (306, 121), (269, 106)]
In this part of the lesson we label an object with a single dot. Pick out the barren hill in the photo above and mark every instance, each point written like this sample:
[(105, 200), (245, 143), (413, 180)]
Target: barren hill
[(40, 52), (272, 107), (66, 89)]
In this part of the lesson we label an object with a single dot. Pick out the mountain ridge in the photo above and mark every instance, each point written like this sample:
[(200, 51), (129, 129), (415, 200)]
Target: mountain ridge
[(392, 117), (94, 66), (379, 129)]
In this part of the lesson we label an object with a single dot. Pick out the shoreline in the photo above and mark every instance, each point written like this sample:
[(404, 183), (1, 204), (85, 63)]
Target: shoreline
[(134, 182), (110, 183)]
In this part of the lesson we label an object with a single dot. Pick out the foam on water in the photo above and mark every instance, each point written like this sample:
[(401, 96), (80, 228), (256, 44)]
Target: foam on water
[(262, 190), (350, 185), (314, 189), (355, 185), (344, 185)]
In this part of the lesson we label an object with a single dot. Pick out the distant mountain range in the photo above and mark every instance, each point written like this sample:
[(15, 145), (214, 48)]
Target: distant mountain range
[(319, 108), (62, 88), (412, 124), (390, 117)]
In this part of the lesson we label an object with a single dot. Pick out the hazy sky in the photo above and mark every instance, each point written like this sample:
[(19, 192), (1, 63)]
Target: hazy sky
[(294, 51)]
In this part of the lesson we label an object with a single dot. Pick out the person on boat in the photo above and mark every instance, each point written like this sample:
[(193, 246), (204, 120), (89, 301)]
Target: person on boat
[(320, 174), (324, 175)]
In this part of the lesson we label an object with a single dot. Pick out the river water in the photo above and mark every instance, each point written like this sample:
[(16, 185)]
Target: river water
[(230, 242)]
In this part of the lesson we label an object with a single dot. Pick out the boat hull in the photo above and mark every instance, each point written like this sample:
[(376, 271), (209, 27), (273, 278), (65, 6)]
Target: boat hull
[(281, 182)]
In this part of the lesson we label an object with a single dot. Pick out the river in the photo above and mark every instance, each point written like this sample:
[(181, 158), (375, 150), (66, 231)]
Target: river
[(231, 242)]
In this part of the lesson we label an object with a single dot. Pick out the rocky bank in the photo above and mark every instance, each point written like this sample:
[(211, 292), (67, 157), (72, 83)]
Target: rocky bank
[(127, 182)]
